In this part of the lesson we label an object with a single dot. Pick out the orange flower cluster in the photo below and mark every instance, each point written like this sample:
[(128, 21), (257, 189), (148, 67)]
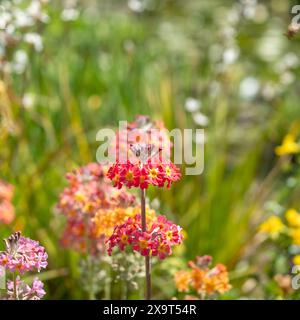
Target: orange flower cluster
[(203, 280), (7, 211), (105, 220), (88, 193)]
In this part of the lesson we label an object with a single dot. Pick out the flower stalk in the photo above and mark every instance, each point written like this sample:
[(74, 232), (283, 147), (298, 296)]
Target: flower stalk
[(147, 257), (15, 294), (88, 261)]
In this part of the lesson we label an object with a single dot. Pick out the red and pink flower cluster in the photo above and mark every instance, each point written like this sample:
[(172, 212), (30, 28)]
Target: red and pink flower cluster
[(134, 175), (7, 211), (23, 254), (159, 238), (145, 160), (88, 192)]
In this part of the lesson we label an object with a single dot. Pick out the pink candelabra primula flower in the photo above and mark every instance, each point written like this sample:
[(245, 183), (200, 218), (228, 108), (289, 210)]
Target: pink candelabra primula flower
[(157, 240), (22, 255), (142, 175), (7, 211), (141, 131), (88, 192), (143, 150)]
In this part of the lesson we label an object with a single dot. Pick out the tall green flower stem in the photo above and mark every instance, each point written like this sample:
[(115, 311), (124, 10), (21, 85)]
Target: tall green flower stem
[(15, 287), (147, 258), (89, 261)]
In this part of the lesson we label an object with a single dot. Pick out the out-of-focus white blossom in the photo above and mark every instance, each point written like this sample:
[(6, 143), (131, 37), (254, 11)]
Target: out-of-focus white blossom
[(28, 100), (35, 40), (249, 87), (288, 61), (19, 23), (249, 8), (269, 91), (20, 61), (200, 119), (69, 14), (35, 11), (270, 47), (287, 78), (136, 5), (22, 19), (5, 18), (192, 104), (70, 11), (230, 55), (261, 13)]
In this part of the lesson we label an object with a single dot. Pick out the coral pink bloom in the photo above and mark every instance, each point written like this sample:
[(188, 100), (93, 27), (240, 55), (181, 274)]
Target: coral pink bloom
[(169, 173), (131, 174), (160, 236), (144, 178), (89, 191), (6, 191), (7, 210), (114, 174), (154, 175)]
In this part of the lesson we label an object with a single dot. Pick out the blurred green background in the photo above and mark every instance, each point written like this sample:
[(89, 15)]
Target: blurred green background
[(224, 66)]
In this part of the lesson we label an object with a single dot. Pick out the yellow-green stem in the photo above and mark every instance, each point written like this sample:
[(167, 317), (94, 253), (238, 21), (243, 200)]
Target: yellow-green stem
[(147, 258)]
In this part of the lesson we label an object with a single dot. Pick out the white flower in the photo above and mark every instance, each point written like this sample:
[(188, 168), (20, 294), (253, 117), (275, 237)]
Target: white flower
[(35, 10), (287, 78), (230, 55), (28, 100), (200, 119), (269, 47), (5, 18), (269, 91), (69, 14), (20, 61), (249, 7), (249, 87), (10, 29), (136, 5), (35, 40), (291, 60), (192, 104), (22, 20)]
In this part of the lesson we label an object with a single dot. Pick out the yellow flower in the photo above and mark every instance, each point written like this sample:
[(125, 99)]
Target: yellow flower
[(106, 219), (296, 259), (295, 235), (293, 218), (272, 226), (288, 146)]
